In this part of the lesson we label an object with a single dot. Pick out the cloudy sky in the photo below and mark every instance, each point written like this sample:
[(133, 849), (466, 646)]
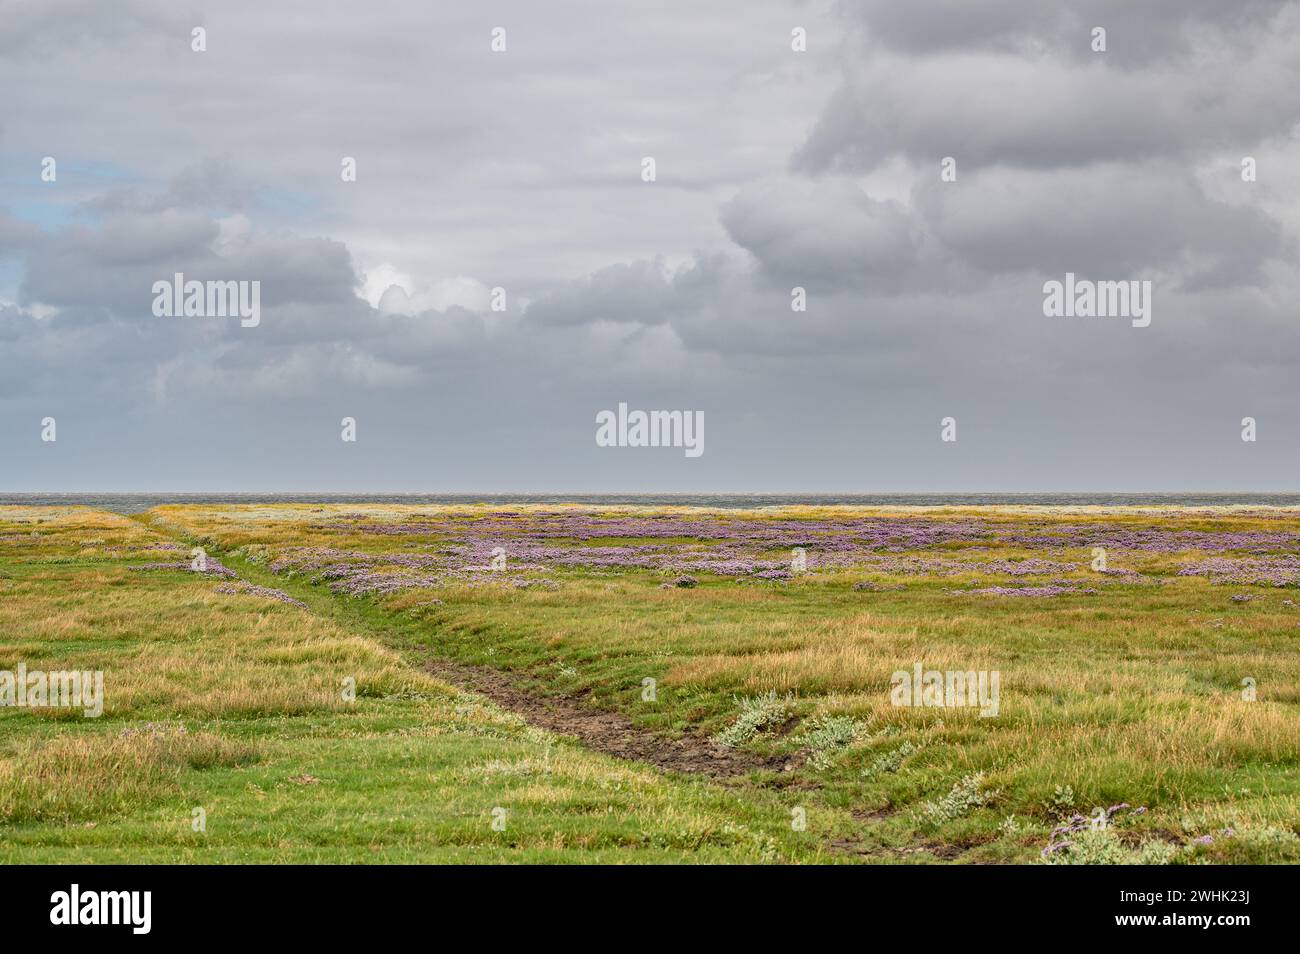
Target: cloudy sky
[(775, 168)]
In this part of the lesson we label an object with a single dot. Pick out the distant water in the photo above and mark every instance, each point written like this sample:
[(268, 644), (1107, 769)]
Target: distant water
[(134, 503)]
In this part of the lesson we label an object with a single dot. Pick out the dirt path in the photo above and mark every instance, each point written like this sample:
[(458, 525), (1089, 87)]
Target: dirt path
[(608, 732)]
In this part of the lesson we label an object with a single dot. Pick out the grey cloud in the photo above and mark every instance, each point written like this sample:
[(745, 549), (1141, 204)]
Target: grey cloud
[(1037, 109), (1111, 220), (114, 263), (817, 169), (631, 292), (824, 235), (15, 234), (1137, 32), (210, 184), (30, 29)]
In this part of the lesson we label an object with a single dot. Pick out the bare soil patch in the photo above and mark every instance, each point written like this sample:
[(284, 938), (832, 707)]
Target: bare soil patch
[(611, 733)]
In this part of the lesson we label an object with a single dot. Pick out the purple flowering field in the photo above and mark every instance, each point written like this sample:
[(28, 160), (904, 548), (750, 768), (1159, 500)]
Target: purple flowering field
[(380, 552)]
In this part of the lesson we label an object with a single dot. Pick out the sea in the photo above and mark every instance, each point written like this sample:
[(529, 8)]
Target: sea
[(127, 503)]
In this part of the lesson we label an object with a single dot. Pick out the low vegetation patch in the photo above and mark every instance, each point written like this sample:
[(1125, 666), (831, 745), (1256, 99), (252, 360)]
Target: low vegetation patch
[(757, 714)]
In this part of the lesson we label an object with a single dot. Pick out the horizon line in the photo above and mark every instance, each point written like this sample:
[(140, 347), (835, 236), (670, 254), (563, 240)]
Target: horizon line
[(646, 493)]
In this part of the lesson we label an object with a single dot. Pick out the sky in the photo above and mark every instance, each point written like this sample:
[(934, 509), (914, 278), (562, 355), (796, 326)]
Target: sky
[(501, 270)]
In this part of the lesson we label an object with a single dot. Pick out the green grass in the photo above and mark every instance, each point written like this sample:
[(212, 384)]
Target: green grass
[(232, 704), (1131, 694)]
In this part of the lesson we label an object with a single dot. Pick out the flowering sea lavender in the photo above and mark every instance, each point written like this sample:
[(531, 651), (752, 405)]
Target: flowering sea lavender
[(1029, 567), (1054, 589), (266, 592), (212, 567), (367, 582), (1270, 571), (682, 582), (458, 546), (1059, 839)]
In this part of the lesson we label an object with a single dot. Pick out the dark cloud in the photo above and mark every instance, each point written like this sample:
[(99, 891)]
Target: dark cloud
[(522, 172), (114, 263), (825, 235), (1137, 32), (1053, 103), (1116, 219)]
